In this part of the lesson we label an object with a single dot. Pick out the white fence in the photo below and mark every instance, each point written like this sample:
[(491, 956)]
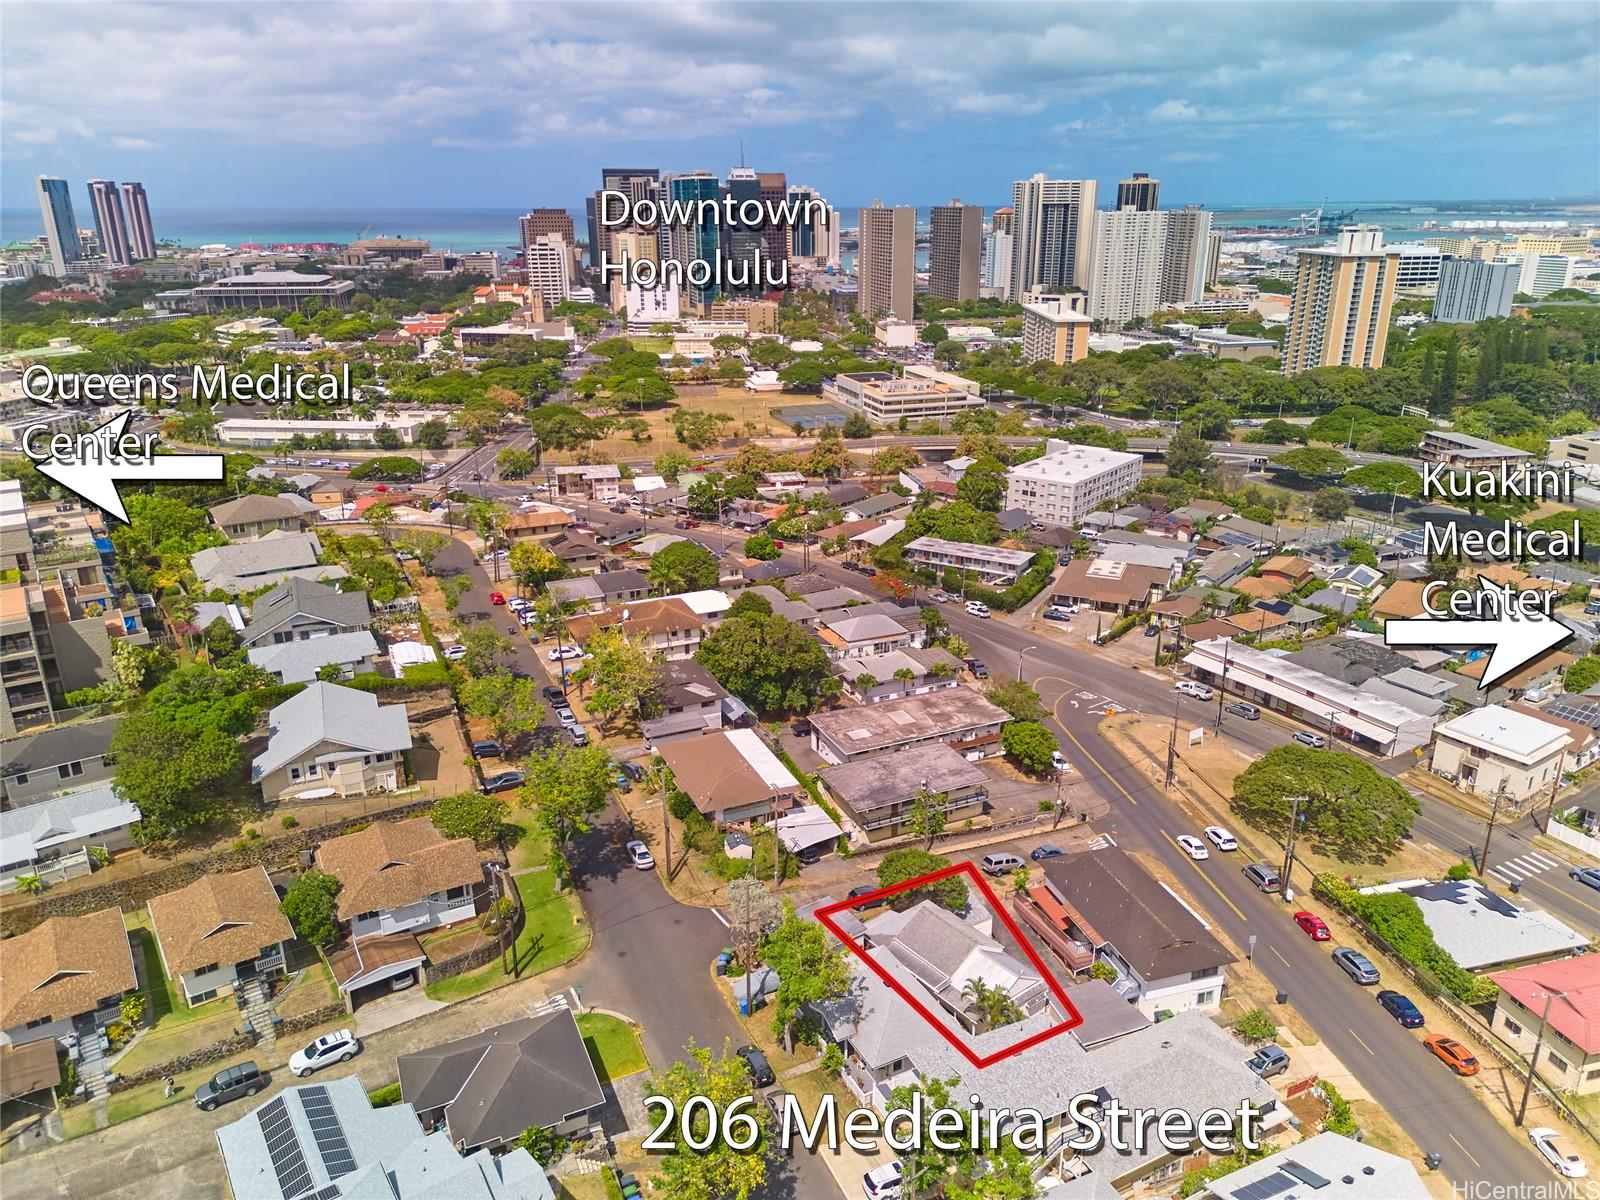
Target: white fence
[(1578, 841)]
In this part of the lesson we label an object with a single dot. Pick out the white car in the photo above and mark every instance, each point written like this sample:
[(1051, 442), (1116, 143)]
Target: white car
[(1221, 838), (455, 653), (1190, 688), (1192, 846), (1059, 761), (975, 609), (1553, 1148), (558, 653), (340, 1046), (883, 1183), (640, 855)]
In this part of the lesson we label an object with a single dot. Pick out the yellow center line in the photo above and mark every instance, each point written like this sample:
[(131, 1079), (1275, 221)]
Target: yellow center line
[(1357, 1037), (1465, 1151), (1183, 854), (1082, 749), (1281, 958)]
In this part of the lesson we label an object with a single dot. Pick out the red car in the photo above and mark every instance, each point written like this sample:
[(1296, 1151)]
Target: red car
[(497, 598), (1313, 926), (776, 543)]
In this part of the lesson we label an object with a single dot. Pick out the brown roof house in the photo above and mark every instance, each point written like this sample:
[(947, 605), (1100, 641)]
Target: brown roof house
[(219, 932), (732, 776), (669, 627), (1403, 598), (396, 879), (1110, 585), (65, 975)]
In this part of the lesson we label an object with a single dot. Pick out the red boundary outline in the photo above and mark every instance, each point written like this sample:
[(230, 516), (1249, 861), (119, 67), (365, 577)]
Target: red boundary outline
[(825, 917)]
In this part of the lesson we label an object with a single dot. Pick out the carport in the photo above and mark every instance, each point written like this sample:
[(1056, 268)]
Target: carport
[(369, 968)]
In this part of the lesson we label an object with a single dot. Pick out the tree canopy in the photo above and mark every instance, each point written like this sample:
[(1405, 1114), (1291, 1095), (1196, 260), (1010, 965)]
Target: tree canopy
[(1348, 808), (897, 866), (769, 662)]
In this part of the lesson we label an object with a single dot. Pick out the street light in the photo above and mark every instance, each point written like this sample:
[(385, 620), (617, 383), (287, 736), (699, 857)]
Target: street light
[(1020, 653)]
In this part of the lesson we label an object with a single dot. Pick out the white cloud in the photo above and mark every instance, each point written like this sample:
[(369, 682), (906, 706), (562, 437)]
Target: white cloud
[(1174, 110), (133, 143)]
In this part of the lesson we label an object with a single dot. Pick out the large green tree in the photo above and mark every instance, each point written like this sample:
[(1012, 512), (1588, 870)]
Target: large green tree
[(568, 787), (309, 905), (1030, 745), (811, 968), (179, 772), (769, 662), (1348, 808), (1386, 477), (1314, 462), (720, 1171), (683, 567), (897, 866), (510, 704), (624, 674), (1018, 698), (469, 815)]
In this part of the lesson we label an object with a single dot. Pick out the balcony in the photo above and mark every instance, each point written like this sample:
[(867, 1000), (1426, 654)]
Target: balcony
[(1074, 951)]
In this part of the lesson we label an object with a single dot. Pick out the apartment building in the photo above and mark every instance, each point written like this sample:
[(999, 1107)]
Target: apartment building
[(1542, 274), (1495, 750), (882, 398), (886, 262), (272, 289), (1125, 280), (876, 795), (1055, 329), (1052, 227), (356, 431), (1342, 298), (1461, 450), (955, 254), (1470, 290), (1419, 266), (997, 566), (1069, 482)]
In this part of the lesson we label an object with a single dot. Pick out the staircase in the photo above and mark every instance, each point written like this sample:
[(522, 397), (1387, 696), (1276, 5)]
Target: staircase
[(91, 1057), (258, 1011)]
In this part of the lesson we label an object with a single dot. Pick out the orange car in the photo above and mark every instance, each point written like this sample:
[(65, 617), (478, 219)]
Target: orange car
[(1452, 1053)]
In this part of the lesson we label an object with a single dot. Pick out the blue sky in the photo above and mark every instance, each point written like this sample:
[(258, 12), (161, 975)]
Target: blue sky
[(482, 105)]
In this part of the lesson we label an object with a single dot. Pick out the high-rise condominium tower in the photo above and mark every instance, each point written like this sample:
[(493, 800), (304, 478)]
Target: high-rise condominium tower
[(1053, 224), (816, 236), (955, 255), (637, 183), (1342, 297), (538, 222), (1129, 252), (141, 234), (697, 240), (1184, 259), (60, 225), (108, 222), (1471, 290), (1140, 192), (886, 262), (548, 259)]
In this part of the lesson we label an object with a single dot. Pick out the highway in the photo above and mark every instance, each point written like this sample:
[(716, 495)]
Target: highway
[(1437, 1110)]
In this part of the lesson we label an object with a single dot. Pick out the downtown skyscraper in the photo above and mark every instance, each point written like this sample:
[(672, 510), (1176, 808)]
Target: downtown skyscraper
[(1053, 235), (698, 240), (955, 251), (141, 234), (886, 262), (108, 222), (637, 183), (1141, 193), (60, 224)]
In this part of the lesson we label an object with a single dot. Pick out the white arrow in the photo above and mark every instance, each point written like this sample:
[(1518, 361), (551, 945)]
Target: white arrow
[(94, 475), (1516, 639)]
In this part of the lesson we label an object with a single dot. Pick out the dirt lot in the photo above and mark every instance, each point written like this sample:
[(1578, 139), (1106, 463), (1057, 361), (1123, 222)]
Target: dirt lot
[(751, 413)]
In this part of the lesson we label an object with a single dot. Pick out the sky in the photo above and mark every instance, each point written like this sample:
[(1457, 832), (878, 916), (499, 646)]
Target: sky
[(485, 105)]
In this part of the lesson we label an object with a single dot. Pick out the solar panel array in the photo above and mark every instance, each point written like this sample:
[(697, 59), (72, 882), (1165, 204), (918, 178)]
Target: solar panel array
[(331, 1192), (1266, 1187), (1581, 710), (1304, 1174), (325, 1127), (283, 1147)]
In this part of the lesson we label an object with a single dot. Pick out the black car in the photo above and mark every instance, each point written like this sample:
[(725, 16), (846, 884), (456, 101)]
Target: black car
[(1045, 851), (1401, 1008), (504, 781), (555, 695), (1151, 630), (760, 1069), (487, 748), (632, 770), (979, 669), (801, 728), (866, 889), (230, 1083)]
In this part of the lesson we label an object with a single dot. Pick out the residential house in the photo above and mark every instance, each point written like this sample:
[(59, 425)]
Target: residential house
[(219, 932), (1334, 601), (1297, 618), (588, 481), (332, 741), (1562, 998), (326, 1139), (1289, 569), (873, 678), (845, 635), (995, 566), (1175, 611), (1482, 930), (1102, 906), (957, 716), (36, 766), (614, 529), (350, 654), (302, 609), (1012, 520), (1356, 580), (252, 516), (399, 876), (732, 776), (1327, 1165), (65, 976), (485, 1089), (949, 957), (532, 522), (1579, 716), (1217, 601), (691, 703), (832, 599), (880, 505), (1401, 599), (621, 587), (841, 495), (766, 572), (53, 837), (875, 795), (667, 627), (1137, 554), (248, 566), (1222, 567), (798, 611), (1496, 750), (1533, 680), (1110, 586), (576, 550), (578, 595)]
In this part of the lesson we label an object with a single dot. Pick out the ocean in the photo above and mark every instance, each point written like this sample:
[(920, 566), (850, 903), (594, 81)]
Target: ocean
[(464, 229)]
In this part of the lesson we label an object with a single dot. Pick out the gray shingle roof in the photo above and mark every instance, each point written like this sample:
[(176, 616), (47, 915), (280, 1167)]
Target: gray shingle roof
[(901, 773), (26, 832), (308, 598), (300, 660), (493, 1085), (326, 712), (264, 560), (52, 747)]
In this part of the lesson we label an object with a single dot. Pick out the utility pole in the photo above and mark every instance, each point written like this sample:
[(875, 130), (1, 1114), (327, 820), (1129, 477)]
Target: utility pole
[(1288, 853), (1172, 747), (1533, 1061), (1555, 786), (1020, 654), (1222, 684), (1494, 814)]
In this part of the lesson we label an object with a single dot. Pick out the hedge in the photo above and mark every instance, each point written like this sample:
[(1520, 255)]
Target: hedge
[(1028, 585)]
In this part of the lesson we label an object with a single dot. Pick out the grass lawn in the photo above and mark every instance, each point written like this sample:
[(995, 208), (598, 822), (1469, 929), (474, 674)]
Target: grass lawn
[(166, 1004), (77, 1120), (532, 848), (580, 1187), (613, 1046), (312, 989), (554, 932)]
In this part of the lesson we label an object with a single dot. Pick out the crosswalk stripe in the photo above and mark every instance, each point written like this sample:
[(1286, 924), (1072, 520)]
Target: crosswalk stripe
[(1505, 869), (1548, 862)]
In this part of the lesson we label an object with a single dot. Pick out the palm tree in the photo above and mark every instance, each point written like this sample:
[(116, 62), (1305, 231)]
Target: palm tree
[(991, 1006)]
